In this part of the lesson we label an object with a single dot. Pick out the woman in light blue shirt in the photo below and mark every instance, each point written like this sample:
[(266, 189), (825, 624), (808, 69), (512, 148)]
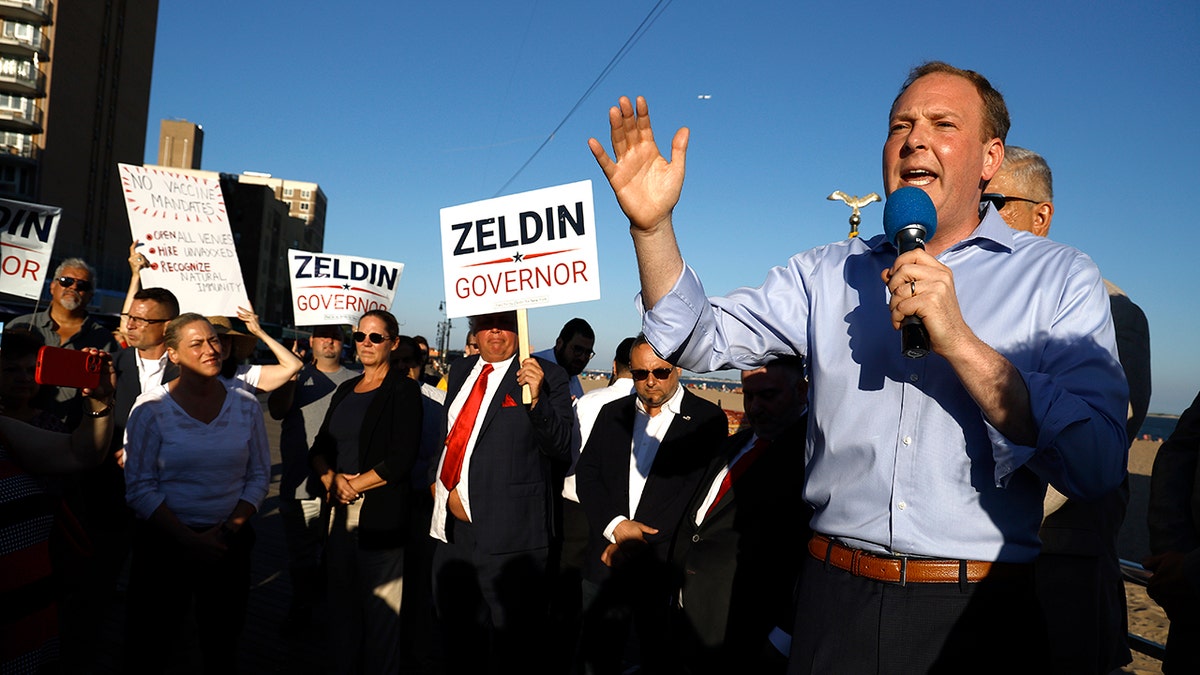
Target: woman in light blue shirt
[(197, 468)]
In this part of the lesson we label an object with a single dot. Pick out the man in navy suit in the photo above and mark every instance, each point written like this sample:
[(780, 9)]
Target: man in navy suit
[(645, 457), (744, 532), (491, 493)]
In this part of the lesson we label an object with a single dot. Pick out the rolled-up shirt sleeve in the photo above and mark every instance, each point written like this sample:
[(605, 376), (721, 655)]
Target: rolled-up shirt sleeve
[(1078, 396), (741, 330)]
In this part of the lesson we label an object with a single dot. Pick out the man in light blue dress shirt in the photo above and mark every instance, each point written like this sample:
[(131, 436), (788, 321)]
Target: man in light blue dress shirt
[(926, 475)]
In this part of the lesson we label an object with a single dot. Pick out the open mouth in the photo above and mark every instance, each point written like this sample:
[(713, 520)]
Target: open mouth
[(918, 177)]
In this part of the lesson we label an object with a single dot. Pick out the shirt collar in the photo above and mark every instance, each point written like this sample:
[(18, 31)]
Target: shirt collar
[(161, 359), (992, 228), (501, 366), (671, 406)]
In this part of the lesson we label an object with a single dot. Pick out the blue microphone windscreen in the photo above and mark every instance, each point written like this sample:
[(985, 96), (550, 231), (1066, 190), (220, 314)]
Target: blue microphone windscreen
[(909, 206)]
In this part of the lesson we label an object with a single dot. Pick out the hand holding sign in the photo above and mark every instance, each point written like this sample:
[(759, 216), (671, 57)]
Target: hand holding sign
[(530, 376)]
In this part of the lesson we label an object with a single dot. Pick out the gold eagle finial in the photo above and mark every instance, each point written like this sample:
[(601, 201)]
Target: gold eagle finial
[(855, 204)]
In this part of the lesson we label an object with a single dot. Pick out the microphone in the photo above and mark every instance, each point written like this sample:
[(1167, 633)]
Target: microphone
[(909, 219)]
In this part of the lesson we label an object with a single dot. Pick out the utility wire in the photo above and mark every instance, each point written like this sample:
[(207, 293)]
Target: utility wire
[(634, 38)]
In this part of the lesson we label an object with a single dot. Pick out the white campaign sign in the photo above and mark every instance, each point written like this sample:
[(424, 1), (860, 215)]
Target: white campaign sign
[(531, 249), (339, 289), (184, 230), (26, 241)]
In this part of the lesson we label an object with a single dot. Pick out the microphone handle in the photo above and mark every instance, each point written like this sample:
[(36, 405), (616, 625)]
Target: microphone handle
[(914, 339)]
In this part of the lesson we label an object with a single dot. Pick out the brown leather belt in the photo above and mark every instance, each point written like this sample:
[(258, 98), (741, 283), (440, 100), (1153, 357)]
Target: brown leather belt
[(897, 570)]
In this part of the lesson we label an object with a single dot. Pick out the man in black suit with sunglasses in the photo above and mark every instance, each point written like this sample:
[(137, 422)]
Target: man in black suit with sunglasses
[(66, 323), (645, 457)]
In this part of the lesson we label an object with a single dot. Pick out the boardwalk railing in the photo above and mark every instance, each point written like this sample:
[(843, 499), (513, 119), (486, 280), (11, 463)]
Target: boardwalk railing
[(1135, 573)]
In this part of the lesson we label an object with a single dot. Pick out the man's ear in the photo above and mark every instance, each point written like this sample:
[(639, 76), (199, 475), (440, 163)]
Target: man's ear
[(1043, 213), (992, 159)]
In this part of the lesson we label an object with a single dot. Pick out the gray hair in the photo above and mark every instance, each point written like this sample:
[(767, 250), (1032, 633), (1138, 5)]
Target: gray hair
[(1030, 170), (79, 263)]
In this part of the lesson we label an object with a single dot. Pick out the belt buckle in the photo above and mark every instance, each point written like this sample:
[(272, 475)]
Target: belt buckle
[(903, 570)]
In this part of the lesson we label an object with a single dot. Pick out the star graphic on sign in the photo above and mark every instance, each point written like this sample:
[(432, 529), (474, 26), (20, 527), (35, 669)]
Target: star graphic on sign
[(517, 256), (345, 287)]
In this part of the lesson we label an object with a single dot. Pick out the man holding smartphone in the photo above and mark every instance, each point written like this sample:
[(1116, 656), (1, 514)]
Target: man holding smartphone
[(99, 497), (66, 323)]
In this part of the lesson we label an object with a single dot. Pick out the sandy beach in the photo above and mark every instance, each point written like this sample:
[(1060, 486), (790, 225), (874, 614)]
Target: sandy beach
[(1146, 618)]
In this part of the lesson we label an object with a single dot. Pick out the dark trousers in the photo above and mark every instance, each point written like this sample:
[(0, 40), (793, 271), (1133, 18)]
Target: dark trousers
[(628, 619), (566, 608), (1183, 642), (416, 614), (491, 608), (165, 580), (851, 624)]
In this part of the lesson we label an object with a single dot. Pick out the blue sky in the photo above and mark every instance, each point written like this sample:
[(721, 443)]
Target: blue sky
[(398, 109)]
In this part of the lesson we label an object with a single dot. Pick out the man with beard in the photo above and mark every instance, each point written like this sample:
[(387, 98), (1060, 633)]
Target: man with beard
[(572, 350), (644, 459), (66, 323)]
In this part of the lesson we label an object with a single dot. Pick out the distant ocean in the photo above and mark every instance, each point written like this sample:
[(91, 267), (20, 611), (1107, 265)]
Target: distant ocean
[(1154, 428), (1158, 427)]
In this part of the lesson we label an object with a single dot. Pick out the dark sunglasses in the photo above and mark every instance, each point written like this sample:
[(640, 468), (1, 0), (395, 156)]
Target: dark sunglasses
[(659, 373), (1002, 200), (376, 338), (67, 282)]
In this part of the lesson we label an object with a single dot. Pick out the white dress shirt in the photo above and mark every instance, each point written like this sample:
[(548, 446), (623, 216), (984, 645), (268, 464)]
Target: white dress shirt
[(437, 526), (150, 371), (648, 433)]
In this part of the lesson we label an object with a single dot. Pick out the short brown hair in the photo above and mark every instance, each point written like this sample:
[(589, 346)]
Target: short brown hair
[(995, 113)]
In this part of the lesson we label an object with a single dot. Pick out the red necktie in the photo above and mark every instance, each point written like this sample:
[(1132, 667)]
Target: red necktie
[(739, 467), (456, 440)]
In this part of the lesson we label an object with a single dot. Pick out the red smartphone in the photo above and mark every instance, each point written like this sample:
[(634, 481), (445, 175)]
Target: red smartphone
[(67, 368)]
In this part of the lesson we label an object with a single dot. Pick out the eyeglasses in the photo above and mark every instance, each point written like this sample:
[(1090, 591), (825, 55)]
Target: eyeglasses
[(67, 282), (132, 321), (375, 338), (659, 373), (582, 351), (1002, 200)]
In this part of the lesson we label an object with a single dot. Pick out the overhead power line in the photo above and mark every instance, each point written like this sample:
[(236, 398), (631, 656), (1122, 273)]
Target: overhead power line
[(642, 29)]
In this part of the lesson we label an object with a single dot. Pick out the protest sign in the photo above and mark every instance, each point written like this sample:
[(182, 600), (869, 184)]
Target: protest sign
[(181, 223), (531, 249), (339, 289), (26, 241)]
